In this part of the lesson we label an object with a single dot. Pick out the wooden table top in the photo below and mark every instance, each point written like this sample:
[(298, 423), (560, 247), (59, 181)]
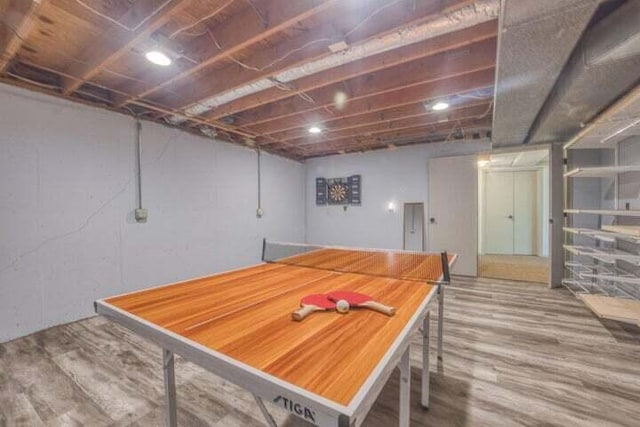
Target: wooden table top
[(245, 314)]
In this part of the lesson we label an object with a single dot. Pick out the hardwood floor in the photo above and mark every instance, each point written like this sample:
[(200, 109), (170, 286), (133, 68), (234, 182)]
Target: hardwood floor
[(516, 354)]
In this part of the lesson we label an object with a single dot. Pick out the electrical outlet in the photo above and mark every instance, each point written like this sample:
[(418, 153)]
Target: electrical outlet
[(141, 215), (259, 213)]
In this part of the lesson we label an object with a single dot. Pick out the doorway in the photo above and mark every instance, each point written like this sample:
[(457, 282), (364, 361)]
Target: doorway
[(511, 212), (513, 216), (414, 237)]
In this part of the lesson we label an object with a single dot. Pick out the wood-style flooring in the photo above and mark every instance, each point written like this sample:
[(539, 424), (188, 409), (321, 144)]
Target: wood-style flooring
[(516, 354)]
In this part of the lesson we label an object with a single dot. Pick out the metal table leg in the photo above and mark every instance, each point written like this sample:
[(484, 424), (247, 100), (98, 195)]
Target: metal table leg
[(169, 388), (405, 389), (265, 413), (426, 335), (440, 320)]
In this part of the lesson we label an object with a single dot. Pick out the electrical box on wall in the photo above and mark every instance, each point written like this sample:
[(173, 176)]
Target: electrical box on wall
[(141, 215)]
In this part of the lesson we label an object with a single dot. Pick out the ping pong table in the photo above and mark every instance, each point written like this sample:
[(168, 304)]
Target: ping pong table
[(327, 369)]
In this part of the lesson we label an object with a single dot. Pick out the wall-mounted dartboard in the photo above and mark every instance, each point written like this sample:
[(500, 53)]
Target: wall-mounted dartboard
[(338, 191)]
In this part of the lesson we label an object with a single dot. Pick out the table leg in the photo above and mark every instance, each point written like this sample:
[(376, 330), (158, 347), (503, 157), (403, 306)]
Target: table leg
[(426, 335), (169, 388), (440, 320), (405, 389), (265, 412)]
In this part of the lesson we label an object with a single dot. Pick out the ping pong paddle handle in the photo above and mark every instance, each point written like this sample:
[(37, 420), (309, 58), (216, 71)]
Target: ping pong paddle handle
[(302, 312), (376, 306)]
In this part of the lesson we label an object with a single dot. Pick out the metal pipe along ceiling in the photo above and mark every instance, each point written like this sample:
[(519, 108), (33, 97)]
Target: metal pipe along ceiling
[(460, 19)]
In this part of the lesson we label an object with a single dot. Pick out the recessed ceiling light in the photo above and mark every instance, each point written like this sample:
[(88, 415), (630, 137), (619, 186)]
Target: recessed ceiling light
[(315, 130), (440, 105), (158, 58)]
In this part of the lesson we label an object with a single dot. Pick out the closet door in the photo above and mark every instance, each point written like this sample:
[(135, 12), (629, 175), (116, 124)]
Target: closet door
[(525, 202), (499, 217), (453, 210)]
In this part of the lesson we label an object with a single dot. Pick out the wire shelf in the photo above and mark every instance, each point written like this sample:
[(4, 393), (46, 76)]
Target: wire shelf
[(601, 172), (605, 255)]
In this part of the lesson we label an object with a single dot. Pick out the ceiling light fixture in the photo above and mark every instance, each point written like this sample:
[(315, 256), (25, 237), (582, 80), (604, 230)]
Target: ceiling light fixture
[(158, 58), (440, 105), (315, 130), (484, 160)]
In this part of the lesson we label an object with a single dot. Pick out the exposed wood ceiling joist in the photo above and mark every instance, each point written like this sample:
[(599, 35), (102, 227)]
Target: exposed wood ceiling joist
[(357, 123), (480, 56), (312, 44), (481, 110), (460, 130), (118, 41), (368, 65), (93, 52), (18, 20), (236, 34)]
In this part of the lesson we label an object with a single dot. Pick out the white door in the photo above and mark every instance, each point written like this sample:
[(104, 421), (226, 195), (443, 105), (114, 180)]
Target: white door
[(498, 225), (414, 226), (453, 208), (511, 218), (525, 215)]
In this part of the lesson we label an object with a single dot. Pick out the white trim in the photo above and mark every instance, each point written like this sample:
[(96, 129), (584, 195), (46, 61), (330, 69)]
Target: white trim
[(267, 386), (245, 376), (362, 401), (347, 248)]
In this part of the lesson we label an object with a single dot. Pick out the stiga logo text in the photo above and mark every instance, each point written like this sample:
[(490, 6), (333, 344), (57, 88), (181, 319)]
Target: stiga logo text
[(296, 408)]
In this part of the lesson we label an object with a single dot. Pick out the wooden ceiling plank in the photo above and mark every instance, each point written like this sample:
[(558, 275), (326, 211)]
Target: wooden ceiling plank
[(481, 55), (235, 34), (20, 16), (384, 139), (116, 42), (367, 119), (476, 80), (396, 16), (432, 69), (358, 68), (478, 110)]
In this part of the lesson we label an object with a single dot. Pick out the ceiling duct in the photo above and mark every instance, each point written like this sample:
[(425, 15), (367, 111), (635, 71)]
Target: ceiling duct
[(604, 66), (459, 19), (535, 40)]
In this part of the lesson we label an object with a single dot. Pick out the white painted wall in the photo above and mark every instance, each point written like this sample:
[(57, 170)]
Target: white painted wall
[(67, 193), (397, 176)]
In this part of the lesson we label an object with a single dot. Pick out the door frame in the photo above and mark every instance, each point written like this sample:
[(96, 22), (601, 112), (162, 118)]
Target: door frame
[(404, 223), (555, 203)]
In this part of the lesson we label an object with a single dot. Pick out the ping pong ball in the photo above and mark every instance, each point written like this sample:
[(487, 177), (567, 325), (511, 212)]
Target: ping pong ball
[(342, 306)]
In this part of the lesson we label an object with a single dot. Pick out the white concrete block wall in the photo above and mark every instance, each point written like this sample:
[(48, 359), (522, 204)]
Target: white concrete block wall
[(67, 195)]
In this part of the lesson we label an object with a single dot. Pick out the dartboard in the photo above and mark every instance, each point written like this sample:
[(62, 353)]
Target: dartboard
[(338, 193)]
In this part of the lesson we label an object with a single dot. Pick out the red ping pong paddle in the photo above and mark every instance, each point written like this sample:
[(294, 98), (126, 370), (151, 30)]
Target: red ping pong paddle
[(356, 299), (311, 303)]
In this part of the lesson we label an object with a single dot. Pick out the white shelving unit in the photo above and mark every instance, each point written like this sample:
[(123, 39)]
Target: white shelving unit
[(602, 262), (611, 212), (601, 171)]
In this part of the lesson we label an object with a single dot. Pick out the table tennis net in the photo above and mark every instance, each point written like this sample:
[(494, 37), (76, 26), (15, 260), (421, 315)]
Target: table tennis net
[(405, 265)]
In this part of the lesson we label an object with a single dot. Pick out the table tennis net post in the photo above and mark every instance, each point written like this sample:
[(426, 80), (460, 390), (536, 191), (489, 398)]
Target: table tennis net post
[(405, 265)]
